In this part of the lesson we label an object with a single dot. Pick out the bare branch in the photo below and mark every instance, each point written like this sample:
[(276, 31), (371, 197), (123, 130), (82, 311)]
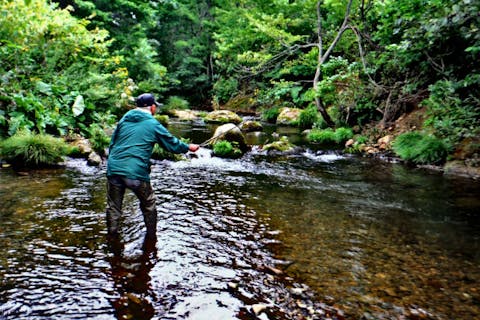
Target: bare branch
[(339, 34)]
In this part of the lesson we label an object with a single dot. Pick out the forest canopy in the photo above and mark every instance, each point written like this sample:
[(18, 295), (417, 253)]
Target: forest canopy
[(67, 64)]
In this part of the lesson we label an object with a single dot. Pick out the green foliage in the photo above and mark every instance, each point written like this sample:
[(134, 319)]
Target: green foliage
[(420, 148), (322, 137), (55, 71), (343, 134), (25, 149), (358, 145), (162, 118), (176, 103), (453, 108), (225, 89), (281, 93), (308, 117), (330, 137), (98, 138), (226, 149), (271, 114), (160, 153)]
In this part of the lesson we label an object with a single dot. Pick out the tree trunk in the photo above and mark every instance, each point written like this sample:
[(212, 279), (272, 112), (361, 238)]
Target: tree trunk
[(323, 57)]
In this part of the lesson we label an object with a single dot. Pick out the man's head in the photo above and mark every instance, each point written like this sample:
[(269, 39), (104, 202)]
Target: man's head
[(147, 100)]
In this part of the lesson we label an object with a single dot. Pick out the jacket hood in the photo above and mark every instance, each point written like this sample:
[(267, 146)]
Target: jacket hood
[(136, 116)]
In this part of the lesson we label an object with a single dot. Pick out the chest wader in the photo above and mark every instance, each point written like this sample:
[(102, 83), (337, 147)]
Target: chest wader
[(116, 187)]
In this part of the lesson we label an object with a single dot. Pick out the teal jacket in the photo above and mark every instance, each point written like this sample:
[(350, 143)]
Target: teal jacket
[(132, 144)]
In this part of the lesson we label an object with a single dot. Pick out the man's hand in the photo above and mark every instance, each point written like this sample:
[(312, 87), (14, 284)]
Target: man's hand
[(193, 147)]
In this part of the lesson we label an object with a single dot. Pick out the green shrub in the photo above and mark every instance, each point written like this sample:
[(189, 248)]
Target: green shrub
[(74, 152), (162, 118), (308, 117), (226, 149), (160, 153), (225, 89), (361, 139), (343, 134), (25, 149), (420, 148), (176, 103), (271, 115), (453, 109), (320, 124), (325, 137), (98, 138)]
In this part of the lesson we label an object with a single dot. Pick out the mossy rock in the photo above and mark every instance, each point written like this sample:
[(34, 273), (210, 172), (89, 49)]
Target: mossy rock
[(251, 126), (184, 115), (223, 116), (289, 116), (282, 145), (244, 104), (230, 132)]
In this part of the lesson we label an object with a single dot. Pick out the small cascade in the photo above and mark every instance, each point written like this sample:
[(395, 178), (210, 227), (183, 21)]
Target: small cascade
[(321, 156)]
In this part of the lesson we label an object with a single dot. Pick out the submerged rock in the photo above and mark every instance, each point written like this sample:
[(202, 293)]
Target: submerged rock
[(282, 145)]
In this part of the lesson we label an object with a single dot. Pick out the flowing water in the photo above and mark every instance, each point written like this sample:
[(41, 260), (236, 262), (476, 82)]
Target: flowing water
[(356, 238)]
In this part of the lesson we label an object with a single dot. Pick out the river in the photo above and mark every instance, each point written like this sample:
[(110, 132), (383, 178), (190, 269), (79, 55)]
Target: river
[(305, 236)]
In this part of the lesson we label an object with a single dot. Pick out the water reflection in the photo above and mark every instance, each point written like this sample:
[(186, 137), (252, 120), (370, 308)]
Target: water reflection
[(131, 275), (376, 240)]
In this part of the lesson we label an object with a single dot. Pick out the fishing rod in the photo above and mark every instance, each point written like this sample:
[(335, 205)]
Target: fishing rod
[(206, 142)]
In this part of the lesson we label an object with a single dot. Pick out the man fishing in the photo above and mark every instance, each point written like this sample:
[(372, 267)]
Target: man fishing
[(128, 165)]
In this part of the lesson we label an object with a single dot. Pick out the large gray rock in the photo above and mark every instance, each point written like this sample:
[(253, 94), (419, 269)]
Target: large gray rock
[(230, 132)]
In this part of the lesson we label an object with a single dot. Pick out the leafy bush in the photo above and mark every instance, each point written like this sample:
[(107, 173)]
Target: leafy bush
[(330, 137), (55, 71), (324, 137), (160, 153), (176, 103), (226, 149), (420, 148), (98, 138), (270, 115), (308, 117), (343, 134), (25, 149), (225, 89), (162, 118), (454, 116)]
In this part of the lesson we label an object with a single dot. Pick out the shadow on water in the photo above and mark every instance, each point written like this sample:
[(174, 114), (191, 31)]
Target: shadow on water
[(355, 238)]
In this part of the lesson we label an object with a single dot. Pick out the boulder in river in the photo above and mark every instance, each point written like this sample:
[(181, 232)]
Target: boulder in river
[(251, 126), (82, 147), (230, 132), (94, 159), (223, 116), (289, 116), (282, 145)]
